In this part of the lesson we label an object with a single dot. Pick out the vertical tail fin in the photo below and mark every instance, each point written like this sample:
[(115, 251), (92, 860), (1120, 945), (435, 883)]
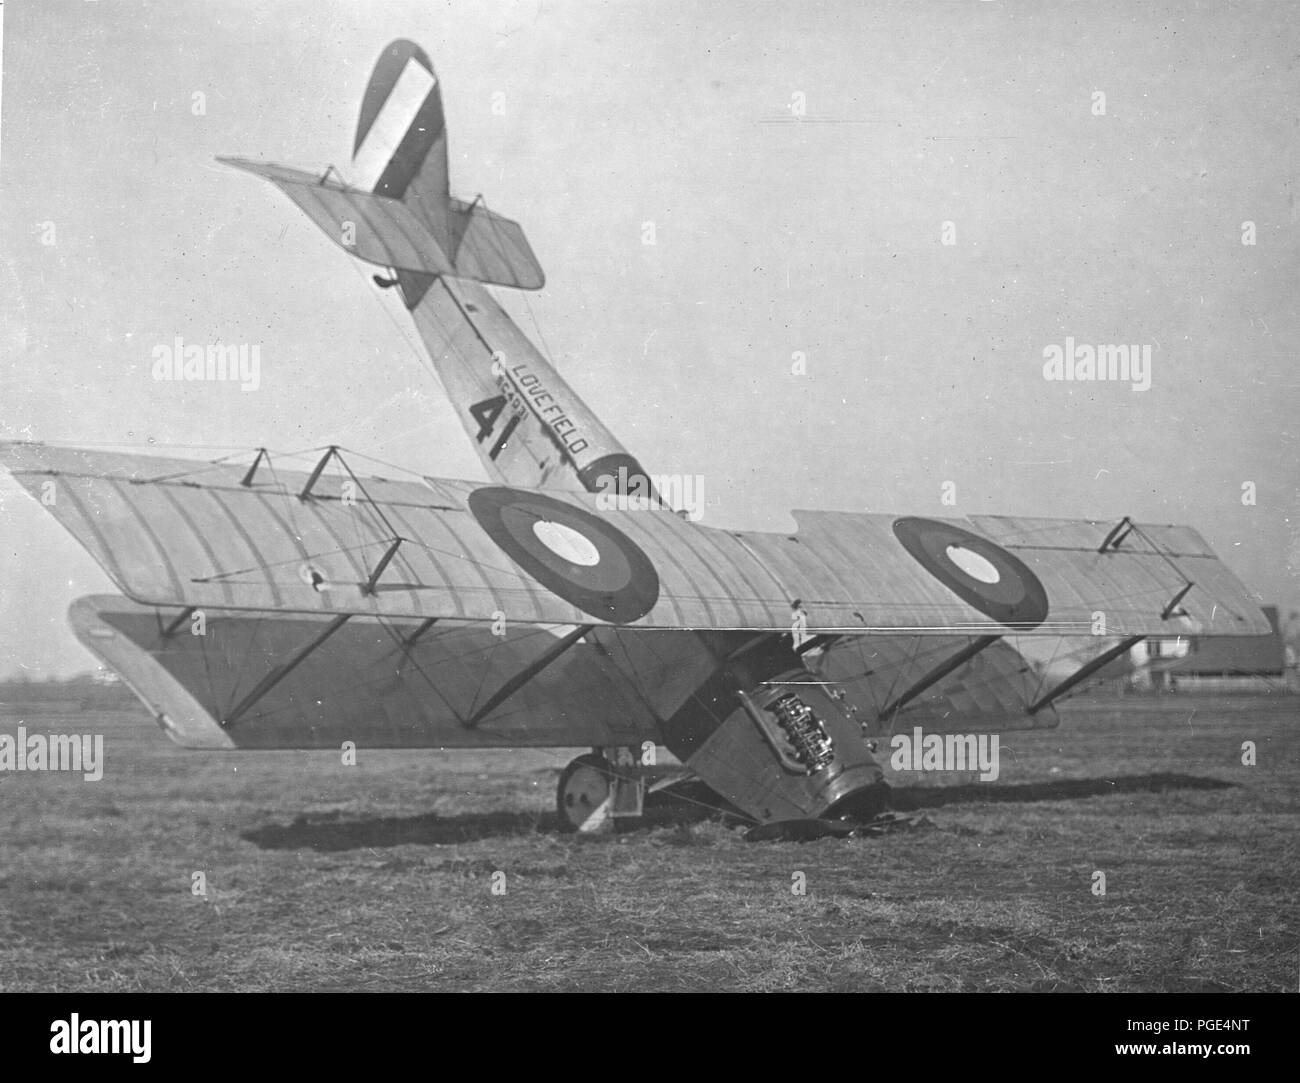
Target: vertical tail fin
[(400, 150)]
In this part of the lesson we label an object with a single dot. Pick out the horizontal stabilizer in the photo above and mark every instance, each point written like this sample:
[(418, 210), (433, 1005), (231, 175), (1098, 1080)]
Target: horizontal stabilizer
[(478, 245)]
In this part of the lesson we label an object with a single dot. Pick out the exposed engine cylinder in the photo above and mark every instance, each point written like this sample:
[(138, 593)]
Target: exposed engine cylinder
[(767, 735), (805, 732)]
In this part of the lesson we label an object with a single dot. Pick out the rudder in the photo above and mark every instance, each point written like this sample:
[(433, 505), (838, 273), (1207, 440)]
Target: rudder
[(400, 150)]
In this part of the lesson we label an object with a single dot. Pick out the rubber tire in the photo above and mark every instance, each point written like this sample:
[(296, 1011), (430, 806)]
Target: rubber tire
[(591, 760)]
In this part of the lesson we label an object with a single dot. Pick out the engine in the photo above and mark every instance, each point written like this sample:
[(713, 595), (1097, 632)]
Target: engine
[(804, 732), (772, 739)]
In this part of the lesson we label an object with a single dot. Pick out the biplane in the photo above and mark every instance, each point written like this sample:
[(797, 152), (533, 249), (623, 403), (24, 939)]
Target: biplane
[(269, 608)]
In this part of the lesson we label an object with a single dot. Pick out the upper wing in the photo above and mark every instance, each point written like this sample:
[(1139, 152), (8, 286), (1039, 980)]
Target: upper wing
[(180, 533)]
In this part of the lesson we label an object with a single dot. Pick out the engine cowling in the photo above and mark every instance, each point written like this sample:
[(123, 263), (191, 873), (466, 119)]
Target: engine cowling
[(781, 748)]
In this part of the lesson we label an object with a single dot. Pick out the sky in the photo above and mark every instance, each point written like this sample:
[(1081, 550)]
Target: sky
[(800, 164)]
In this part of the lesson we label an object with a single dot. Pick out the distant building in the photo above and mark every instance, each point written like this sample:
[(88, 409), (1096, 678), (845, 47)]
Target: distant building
[(1214, 663)]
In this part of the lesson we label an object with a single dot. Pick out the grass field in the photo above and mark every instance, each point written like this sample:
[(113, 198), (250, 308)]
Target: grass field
[(379, 876)]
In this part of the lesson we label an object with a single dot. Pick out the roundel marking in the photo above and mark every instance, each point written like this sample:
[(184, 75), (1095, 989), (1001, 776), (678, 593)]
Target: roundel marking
[(574, 554), (566, 542), (980, 572), (973, 564)]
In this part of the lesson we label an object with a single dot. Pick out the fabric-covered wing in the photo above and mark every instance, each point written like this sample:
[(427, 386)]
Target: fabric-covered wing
[(254, 680), (995, 687), (379, 684), (179, 533), (990, 691)]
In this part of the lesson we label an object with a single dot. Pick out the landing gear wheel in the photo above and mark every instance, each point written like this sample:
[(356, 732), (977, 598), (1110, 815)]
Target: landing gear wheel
[(584, 797)]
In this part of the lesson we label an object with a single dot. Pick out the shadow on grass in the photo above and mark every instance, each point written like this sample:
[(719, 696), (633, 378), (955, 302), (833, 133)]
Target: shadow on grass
[(906, 799), (327, 832), (688, 803)]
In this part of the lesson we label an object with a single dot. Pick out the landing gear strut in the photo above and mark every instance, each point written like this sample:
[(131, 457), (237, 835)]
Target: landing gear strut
[(598, 793)]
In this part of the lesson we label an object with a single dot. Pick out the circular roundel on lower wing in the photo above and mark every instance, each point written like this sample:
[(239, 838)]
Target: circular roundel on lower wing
[(577, 555), (979, 572)]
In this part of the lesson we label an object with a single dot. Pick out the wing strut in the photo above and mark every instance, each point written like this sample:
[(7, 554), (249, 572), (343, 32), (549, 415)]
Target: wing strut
[(176, 622), (1122, 530), (1083, 673), (407, 643), (281, 671), (320, 467), (247, 481), (1119, 532), (395, 542), (1171, 610), (527, 674), (391, 552), (938, 673), (425, 625)]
